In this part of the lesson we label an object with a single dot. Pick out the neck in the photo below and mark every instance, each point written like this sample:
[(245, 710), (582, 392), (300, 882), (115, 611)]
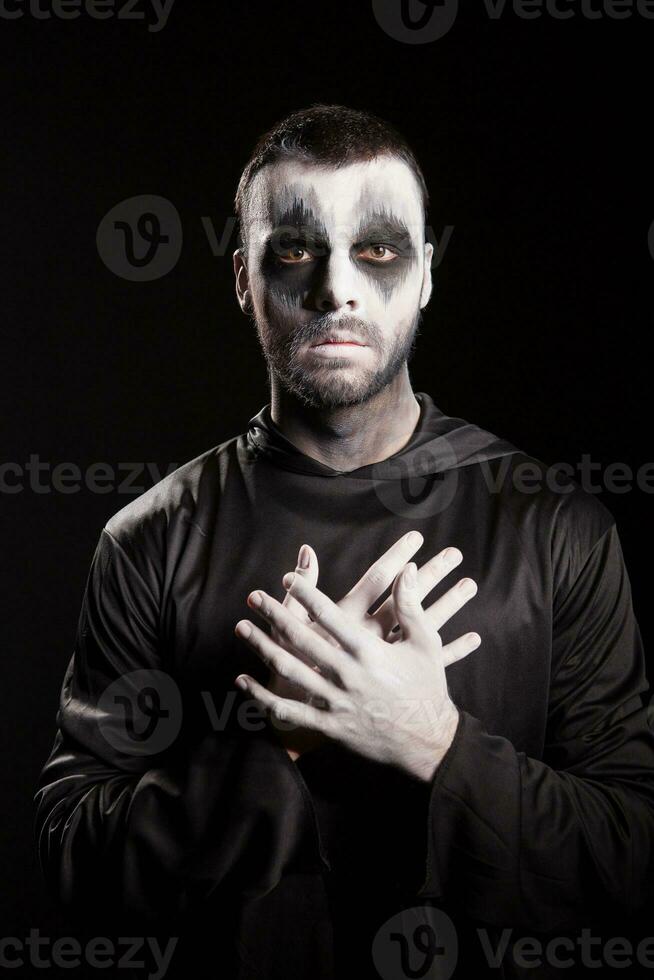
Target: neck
[(350, 436)]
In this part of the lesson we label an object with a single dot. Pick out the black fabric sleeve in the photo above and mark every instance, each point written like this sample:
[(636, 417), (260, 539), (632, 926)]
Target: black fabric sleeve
[(156, 829), (547, 843)]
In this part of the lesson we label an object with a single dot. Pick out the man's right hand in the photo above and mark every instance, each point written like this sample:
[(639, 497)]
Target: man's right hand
[(357, 603)]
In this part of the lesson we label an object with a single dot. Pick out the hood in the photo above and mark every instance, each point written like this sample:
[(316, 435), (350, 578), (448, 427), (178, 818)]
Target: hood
[(439, 442)]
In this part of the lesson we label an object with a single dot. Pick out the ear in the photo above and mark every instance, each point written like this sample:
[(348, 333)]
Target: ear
[(425, 292), (243, 292)]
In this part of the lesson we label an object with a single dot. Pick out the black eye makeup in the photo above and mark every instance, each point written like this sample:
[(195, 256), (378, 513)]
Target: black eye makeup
[(380, 229), (296, 248), (296, 226), (385, 251)]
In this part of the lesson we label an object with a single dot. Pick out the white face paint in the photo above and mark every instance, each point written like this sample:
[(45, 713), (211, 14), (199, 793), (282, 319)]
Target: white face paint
[(337, 251)]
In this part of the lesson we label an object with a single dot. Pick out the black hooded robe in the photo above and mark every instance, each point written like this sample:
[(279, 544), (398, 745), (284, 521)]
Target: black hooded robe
[(539, 817)]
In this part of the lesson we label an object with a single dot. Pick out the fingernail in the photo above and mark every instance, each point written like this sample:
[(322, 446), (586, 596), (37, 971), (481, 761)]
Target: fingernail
[(241, 682), (288, 580), (410, 575), (243, 628), (474, 640), (414, 538), (256, 599), (303, 557), (467, 586)]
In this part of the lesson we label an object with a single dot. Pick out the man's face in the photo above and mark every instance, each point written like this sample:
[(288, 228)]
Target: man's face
[(335, 252)]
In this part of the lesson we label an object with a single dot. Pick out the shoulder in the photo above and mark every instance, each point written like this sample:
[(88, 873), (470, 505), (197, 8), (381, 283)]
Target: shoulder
[(143, 525), (552, 505)]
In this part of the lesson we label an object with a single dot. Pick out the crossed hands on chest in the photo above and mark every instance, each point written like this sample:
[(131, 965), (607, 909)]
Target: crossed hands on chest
[(375, 682)]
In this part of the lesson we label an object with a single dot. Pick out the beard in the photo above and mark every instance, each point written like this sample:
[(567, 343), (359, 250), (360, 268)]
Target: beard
[(334, 383)]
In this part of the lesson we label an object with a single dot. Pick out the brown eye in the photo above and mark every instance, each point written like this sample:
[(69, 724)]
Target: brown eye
[(294, 254), (378, 253)]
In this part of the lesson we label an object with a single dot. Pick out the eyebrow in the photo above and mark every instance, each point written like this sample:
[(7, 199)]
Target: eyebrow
[(300, 216), (382, 224)]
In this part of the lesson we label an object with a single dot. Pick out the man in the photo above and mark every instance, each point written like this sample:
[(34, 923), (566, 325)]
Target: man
[(396, 778)]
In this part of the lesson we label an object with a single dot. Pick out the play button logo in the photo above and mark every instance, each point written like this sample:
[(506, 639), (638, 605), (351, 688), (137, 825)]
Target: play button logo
[(415, 21)]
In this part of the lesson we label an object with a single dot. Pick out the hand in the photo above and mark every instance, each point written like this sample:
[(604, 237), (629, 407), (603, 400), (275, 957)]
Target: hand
[(361, 597), (367, 672)]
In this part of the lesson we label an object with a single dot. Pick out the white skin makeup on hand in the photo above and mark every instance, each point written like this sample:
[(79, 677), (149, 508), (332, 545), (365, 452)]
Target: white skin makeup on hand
[(383, 622), (364, 671)]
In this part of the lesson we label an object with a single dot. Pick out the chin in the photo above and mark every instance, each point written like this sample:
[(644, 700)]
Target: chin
[(345, 386)]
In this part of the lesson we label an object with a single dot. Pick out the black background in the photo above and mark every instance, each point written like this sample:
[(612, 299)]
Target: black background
[(535, 140)]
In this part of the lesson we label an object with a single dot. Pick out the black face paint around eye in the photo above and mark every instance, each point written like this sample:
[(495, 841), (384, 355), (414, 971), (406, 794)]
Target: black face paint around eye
[(292, 278), (296, 226), (387, 276), (383, 228)]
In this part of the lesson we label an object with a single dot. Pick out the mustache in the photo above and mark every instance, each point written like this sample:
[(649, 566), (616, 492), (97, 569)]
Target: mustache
[(315, 329)]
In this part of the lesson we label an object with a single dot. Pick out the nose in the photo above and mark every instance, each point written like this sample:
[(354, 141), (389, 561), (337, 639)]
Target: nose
[(336, 288)]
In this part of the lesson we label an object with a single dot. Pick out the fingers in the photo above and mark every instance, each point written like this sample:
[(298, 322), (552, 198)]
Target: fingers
[(460, 648), (295, 713), (299, 636), (453, 600), (307, 566), (284, 664), (429, 575), (327, 614), (408, 606), (380, 574)]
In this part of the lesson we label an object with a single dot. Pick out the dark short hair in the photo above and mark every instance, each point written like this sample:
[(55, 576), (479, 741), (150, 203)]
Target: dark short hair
[(333, 135)]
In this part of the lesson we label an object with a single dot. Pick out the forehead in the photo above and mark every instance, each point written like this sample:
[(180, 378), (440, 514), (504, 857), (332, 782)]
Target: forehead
[(288, 189)]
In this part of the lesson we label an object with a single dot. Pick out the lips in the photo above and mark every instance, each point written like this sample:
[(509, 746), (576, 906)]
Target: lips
[(335, 339)]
